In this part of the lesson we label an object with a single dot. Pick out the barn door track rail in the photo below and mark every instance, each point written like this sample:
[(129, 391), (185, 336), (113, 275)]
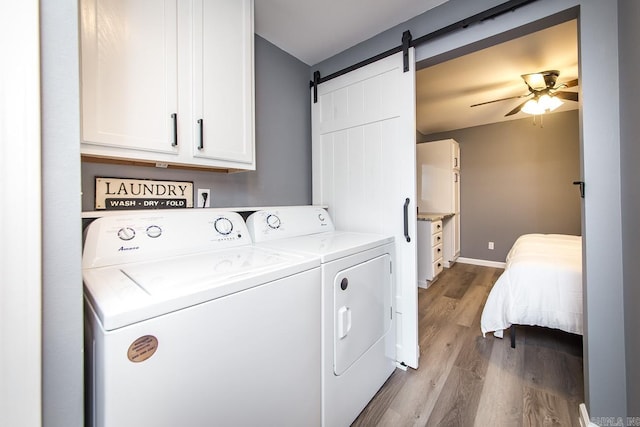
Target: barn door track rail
[(408, 42)]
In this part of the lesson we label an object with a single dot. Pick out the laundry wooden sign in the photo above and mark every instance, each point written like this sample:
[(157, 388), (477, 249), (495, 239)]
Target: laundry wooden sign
[(124, 193)]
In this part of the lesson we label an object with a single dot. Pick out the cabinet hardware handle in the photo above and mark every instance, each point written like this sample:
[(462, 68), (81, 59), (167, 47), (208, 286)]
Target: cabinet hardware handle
[(174, 116), (406, 220), (201, 144)]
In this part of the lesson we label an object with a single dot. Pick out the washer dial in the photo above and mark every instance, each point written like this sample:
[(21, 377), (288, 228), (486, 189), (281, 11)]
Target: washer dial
[(126, 233), (223, 226), (154, 231), (273, 221)]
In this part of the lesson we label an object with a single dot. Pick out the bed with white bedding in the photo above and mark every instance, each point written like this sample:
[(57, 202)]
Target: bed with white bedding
[(541, 286)]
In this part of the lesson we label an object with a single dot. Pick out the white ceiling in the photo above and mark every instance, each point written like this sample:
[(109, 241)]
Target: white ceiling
[(314, 31)]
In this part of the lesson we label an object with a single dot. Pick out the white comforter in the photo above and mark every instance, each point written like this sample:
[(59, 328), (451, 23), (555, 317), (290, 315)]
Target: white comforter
[(541, 286)]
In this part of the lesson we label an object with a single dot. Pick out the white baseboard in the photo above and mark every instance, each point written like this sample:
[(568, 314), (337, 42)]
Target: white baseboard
[(484, 263)]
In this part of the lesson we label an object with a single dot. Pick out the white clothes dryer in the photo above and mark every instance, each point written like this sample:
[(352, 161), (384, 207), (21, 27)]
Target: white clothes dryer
[(189, 324), (358, 328)]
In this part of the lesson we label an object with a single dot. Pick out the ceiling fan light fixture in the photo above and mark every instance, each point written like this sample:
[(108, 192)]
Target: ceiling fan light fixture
[(532, 107), (549, 103), (536, 81), (541, 105)]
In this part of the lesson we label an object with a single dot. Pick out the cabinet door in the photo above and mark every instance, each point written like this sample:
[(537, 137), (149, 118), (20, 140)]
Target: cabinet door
[(435, 176), (455, 155), (455, 196), (223, 81), (129, 76)]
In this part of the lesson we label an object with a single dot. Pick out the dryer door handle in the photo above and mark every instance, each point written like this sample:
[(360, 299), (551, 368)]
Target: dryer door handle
[(344, 322)]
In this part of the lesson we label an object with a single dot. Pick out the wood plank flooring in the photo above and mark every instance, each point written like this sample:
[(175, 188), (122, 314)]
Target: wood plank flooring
[(467, 380)]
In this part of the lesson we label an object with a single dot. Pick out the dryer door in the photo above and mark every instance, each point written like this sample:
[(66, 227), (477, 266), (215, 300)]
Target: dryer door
[(362, 309)]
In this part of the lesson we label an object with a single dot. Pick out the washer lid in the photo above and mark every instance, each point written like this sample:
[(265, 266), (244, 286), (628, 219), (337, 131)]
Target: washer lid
[(332, 245), (126, 294)]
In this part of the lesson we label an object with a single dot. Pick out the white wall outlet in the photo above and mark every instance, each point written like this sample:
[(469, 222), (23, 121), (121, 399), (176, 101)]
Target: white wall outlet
[(491, 245), (203, 199)]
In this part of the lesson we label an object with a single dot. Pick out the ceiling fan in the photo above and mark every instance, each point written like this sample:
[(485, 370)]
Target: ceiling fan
[(542, 90)]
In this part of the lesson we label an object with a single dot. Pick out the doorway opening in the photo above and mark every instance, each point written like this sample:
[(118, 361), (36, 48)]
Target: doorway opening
[(517, 170)]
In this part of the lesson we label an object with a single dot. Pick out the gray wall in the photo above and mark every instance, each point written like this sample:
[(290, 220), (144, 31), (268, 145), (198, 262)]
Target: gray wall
[(604, 344), (62, 360), (283, 148), (515, 179), (629, 34)]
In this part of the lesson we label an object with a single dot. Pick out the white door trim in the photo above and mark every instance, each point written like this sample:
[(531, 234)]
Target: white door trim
[(20, 216)]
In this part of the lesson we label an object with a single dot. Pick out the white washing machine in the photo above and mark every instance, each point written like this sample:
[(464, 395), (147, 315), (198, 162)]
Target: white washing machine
[(189, 324), (358, 328)]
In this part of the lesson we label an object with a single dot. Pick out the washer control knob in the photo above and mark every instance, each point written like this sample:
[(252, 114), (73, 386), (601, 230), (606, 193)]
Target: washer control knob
[(223, 226), (154, 231), (273, 221), (126, 233), (344, 284)]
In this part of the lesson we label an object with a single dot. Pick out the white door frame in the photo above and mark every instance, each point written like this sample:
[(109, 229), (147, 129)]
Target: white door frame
[(21, 216)]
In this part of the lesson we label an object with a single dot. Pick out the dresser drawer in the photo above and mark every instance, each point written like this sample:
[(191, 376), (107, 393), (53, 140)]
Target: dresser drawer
[(438, 265), (436, 239), (436, 226), (437, 251)]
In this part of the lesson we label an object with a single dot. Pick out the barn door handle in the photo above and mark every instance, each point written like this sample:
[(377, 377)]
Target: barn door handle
[(406, 220), (581, 184)]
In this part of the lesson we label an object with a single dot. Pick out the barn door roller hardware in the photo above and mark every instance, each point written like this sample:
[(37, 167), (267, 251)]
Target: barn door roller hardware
[(408, 42), (314, 84)]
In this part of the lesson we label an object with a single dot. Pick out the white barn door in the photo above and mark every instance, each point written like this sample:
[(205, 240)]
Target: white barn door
[(364, 170)]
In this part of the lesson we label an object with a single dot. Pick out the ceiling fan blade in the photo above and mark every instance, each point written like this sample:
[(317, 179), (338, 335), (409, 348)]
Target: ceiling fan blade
[(515, 110), (571, 96), (502, 99), (570, 83)]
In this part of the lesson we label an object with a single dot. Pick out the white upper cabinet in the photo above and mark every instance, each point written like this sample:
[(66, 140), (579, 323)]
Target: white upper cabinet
[(129, 74), (455, 155), (438, 172), (168, 82), (223, 80)]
